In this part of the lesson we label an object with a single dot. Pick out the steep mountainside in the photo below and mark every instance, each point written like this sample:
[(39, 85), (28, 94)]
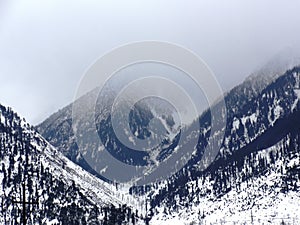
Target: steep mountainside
[(258, 160), (57, 129), (65, 193), (261, 186), (258, 164)]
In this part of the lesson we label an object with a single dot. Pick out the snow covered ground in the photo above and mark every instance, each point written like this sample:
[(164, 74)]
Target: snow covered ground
[(259, 200)]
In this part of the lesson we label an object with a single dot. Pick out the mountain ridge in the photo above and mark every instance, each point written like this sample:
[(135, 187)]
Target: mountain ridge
[(255, 114)]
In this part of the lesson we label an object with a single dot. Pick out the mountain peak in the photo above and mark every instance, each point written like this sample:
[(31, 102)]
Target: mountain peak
[(284, 60)]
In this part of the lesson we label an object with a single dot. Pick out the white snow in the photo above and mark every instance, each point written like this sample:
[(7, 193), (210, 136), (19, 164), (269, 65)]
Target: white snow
[(235, 124), (2, 118), (297, 92), (277, 111), (257, 201)]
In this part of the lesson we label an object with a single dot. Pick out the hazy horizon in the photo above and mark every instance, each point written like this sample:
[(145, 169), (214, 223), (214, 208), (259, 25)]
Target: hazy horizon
[(45, 47)]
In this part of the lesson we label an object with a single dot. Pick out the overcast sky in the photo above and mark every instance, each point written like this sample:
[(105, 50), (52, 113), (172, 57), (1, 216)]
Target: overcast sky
[(46, 46)]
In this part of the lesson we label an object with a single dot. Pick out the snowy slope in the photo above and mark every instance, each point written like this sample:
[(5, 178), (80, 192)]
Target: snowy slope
[(59, 130), (66, 193), (261, 143), (268, 198), (251, 180)]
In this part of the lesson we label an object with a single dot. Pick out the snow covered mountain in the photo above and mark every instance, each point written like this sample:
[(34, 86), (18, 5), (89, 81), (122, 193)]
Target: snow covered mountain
[(58, 130), (63, 191), (253, 187), (284, 60), (255, 177)]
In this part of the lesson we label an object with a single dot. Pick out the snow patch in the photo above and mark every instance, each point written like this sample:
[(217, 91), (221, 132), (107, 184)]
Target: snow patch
[(235, 124), (297, 92)]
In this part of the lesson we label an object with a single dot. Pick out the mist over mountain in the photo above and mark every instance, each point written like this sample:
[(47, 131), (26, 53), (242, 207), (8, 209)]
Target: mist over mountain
[(255, 172), (254, 178)]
